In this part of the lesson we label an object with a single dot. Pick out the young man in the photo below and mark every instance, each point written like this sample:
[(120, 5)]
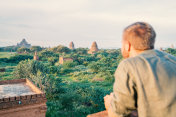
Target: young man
[(146, 80)]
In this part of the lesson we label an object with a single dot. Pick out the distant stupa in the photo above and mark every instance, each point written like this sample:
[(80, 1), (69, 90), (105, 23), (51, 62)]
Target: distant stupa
[(36, 56), (24, 43), (71, 45), (94, 48), (172, 46)]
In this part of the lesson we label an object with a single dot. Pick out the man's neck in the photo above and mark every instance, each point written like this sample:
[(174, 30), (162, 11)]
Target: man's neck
[(134, 52)]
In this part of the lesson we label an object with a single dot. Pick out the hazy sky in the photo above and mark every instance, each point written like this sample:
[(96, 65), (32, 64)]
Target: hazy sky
[(55, 22)]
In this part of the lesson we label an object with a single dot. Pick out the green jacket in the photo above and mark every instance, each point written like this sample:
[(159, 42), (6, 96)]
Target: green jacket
[(147, 83)]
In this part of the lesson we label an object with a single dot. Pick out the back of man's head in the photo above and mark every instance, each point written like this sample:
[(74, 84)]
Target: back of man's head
[(140, 35)]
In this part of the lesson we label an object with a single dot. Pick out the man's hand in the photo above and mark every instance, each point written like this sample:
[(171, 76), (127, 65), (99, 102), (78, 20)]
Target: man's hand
[(107, 100)]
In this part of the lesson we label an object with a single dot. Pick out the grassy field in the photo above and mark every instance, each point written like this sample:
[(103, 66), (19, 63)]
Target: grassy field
[(6, 54), (8, 74), (9, 67)]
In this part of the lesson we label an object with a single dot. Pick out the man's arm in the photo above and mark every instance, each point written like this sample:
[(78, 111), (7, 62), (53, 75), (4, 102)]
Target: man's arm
[(124, 98), (107, 100)]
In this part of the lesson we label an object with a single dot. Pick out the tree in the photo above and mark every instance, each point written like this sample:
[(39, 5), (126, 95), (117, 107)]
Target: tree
[(9, 49), (69, 64), (35, 48), (94, 66), (52, 60), (61, 49), (29, 68), (45, 54), (81, 51), (22, 50), (171, 51)]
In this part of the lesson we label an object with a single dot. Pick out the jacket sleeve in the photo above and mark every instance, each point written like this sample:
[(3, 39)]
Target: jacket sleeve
[(124, 99)]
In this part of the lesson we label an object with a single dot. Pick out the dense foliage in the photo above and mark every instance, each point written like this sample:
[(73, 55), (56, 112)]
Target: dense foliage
[(16, 59), (171, 51), (73, 89), (9, 49)]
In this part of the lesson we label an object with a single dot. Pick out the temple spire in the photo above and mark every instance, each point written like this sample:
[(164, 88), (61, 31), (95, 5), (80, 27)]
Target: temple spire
[(71, 45), (94, 48)]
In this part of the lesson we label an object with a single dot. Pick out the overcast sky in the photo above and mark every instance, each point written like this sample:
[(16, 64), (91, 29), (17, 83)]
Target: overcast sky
[(54, 22)]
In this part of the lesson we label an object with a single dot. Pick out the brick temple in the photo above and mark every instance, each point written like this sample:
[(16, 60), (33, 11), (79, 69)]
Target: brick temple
[(62, 60), (21, 98)]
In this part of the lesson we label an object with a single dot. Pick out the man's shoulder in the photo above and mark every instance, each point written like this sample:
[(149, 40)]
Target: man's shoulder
[(129, 61), (147, 57), (139, 59)]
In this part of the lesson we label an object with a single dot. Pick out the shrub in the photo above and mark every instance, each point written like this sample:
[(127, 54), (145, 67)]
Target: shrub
[(78, 100), (23, 49), (38, 73), (52, 60), (61, 49), (35, 48), (68, 64), (29, 68)]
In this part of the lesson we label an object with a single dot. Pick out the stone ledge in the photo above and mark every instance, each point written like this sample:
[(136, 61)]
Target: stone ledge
[(16, 101), (20, 101), (105, 114), (99, 114), (34, 110)]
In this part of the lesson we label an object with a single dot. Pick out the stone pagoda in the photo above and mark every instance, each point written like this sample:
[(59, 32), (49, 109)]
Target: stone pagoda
[(94, 48), (71, 45)]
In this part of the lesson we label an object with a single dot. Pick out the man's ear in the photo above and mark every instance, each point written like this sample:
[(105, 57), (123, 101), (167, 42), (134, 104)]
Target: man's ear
[(127, 46)]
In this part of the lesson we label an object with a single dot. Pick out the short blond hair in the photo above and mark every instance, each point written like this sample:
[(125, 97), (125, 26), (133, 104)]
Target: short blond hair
[(141, 35)]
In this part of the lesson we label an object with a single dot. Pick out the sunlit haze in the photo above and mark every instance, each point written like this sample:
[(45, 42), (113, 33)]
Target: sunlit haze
[(54, 22)]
